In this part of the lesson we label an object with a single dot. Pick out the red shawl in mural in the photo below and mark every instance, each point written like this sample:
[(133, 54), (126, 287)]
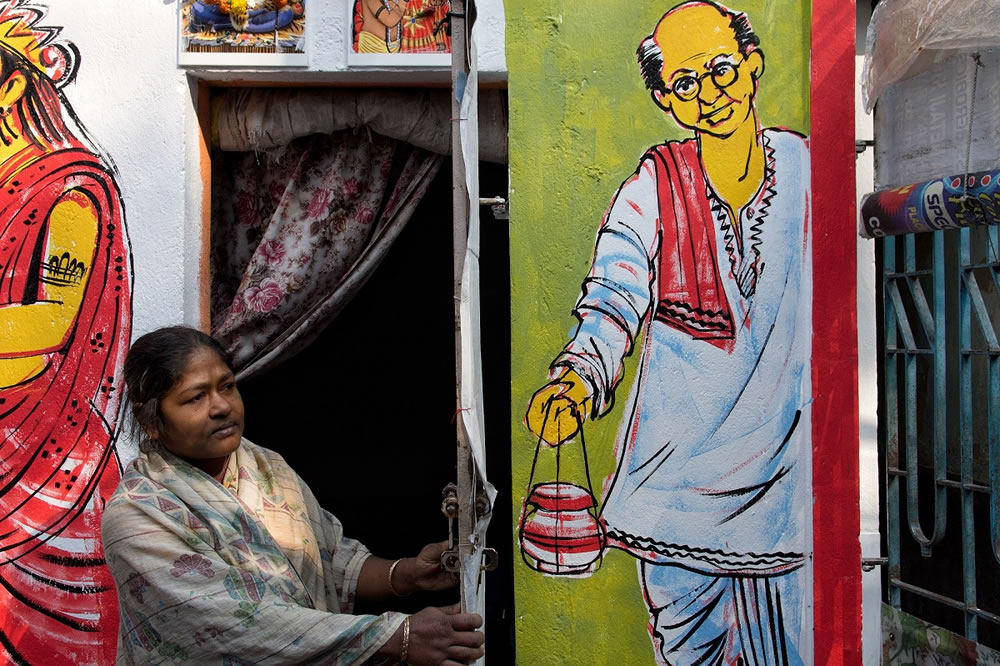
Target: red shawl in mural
[(57, 463), (691, 297)]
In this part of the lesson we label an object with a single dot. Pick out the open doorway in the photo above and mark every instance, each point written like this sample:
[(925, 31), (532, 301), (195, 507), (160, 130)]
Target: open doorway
[(365, 414)]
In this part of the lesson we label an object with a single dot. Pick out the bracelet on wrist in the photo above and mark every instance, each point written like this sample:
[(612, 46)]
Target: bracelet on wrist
[(392, 568), (406, 640)]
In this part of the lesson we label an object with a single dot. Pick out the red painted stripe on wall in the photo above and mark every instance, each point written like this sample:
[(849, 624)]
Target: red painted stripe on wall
[(836, 512)]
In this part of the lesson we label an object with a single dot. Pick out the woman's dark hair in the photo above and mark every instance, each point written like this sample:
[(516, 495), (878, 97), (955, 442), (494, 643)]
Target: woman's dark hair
[(154, 363)]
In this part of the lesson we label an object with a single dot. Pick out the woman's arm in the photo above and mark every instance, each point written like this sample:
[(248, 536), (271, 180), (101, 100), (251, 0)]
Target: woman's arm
[(436, 636), (431, 636), (179, 597), (422, 573)]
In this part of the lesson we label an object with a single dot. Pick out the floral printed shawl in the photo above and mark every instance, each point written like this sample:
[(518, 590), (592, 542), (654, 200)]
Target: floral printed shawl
[(248, 571)]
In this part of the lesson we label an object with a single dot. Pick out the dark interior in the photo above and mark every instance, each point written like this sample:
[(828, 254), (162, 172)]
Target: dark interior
[(365, 414)]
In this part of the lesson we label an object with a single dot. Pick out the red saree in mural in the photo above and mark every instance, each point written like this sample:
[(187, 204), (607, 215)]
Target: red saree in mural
[(57, 462)]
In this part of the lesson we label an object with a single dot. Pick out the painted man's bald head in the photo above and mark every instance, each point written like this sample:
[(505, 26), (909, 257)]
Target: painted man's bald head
[(676, 24)]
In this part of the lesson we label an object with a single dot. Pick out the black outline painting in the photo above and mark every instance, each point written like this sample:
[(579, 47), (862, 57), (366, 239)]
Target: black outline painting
[(65, 323)]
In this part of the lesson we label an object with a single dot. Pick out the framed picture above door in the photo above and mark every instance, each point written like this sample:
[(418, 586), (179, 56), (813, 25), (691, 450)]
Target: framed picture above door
[(399, 33), (242, 33)]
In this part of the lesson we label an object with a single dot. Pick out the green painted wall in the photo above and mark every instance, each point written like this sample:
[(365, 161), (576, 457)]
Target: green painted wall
[(580, 119)]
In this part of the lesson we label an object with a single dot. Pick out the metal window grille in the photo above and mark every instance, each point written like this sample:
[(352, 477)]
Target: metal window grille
[(941, 428)]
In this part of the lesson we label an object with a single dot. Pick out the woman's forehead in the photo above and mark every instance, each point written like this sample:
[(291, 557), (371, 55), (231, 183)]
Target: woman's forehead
[(202, 365)]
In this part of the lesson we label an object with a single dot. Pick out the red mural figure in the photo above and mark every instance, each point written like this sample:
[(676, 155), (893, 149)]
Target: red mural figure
[(65, 281)]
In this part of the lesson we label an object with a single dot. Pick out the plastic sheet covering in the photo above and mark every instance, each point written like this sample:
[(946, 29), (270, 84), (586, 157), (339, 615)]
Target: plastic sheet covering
[(906, 36), (471, 390), (923, 122), (260, 119)]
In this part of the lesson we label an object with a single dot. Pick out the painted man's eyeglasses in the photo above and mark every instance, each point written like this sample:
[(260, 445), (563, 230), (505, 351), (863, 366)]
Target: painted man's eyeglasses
[(724, 74)]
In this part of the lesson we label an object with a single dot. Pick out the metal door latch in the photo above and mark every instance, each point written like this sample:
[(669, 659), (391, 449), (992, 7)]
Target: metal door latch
[(869, 563), (450, 559)]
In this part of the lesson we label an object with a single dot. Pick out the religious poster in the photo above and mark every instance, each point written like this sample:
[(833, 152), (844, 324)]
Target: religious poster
[(662, 247), (404, 33), (233, 33)]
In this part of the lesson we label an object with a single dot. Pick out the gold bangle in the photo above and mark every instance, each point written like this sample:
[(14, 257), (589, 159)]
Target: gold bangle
[(392, 568), (406, 639)]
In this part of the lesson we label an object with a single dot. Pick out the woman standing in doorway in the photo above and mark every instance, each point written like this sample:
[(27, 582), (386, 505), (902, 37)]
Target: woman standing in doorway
[(222, 555)]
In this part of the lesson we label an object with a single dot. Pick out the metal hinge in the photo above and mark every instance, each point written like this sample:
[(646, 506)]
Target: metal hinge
[(869, 563)]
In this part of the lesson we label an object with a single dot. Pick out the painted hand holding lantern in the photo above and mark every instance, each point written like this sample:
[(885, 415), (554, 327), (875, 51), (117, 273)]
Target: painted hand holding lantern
[(559, 531)]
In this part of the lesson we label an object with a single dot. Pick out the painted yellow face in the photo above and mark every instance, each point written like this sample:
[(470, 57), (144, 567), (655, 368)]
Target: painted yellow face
[(710, 84)]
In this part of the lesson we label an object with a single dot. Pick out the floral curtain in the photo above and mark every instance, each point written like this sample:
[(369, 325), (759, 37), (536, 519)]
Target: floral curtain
[(297, 231)]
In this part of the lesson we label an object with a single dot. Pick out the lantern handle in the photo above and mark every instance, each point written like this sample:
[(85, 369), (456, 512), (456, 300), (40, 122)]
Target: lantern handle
[(586, 466), (538, 448)]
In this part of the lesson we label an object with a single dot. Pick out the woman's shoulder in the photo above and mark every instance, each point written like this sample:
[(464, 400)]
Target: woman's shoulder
[(135, 498), (135, 490), (263, 454), (134, 482)]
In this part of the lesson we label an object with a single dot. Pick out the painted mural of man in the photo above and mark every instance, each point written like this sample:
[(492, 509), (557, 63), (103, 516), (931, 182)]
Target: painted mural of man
[(702, 260)]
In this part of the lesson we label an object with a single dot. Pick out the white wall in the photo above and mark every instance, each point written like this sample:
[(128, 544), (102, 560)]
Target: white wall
[(139, 106), (130, 96)]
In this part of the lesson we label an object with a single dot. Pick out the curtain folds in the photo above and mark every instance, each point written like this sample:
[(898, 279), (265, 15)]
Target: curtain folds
[(297, 231), (266, 118)]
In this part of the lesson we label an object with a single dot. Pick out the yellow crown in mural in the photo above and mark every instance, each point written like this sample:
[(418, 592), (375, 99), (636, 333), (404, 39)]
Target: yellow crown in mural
[(21, 35)]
